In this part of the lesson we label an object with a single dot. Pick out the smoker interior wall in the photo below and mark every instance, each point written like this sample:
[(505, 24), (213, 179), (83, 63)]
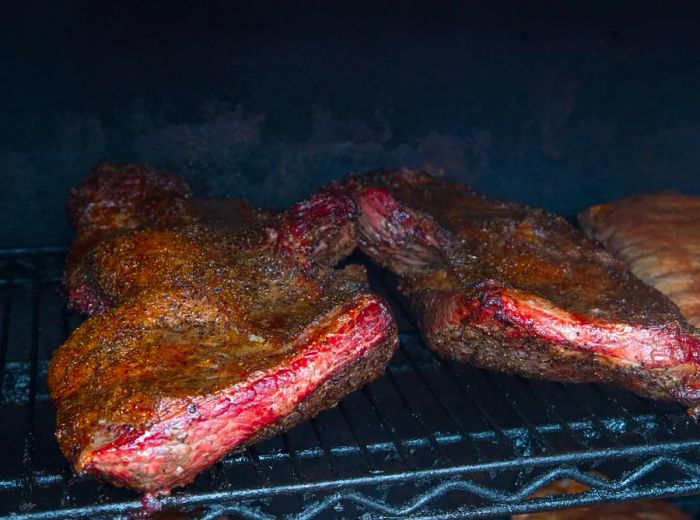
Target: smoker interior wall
[(558, 108)]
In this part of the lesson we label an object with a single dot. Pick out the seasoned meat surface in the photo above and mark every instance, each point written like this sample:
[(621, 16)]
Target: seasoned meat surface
[(510, 287), (215, 325), (139, 227), (658, 236)]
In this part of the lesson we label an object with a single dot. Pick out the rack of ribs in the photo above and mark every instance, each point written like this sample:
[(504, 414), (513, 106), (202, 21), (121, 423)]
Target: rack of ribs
[(214, 325), (513, 288), (658, 236)]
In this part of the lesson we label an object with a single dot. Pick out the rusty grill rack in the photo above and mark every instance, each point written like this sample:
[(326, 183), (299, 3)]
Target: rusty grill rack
[(430, 439)]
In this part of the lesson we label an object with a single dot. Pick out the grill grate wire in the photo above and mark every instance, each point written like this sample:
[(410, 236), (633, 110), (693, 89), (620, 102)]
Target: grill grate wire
[(429, 439)]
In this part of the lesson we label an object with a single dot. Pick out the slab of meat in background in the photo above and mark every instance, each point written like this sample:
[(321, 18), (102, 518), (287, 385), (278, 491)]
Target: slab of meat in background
[(635, 510), (214, 325), (658, 236), (510, 287)]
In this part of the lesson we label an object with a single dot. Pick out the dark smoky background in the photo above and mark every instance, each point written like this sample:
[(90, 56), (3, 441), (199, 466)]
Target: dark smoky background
[(557, 104)]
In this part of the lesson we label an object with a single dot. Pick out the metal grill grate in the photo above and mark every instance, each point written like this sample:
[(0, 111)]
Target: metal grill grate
[(430, 439)]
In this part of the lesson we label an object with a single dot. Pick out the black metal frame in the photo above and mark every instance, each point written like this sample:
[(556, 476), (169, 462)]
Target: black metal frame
[(430, 439)]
